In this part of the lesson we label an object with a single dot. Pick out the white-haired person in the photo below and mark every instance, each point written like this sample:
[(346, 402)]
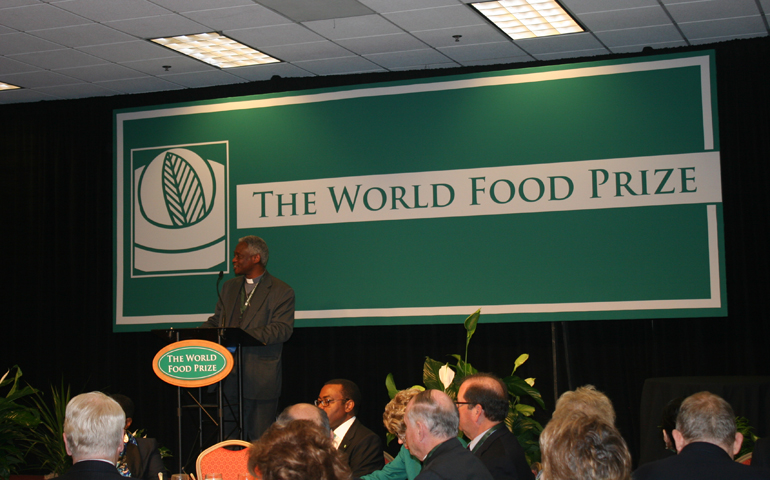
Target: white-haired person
[(93, 437)]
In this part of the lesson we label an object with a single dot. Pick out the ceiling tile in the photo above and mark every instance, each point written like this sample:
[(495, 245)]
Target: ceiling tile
[(247, 16), (485, 51), (303, 11), (499, 61), (162, 26), (340, 66), (22, 96), (204, 79), (141, 85), (101, 73), (58, 59), (389, 6), (18, 3), (575, 54), (353, 27), (701, 41), (36, 17), (78, 90), (42, 78), (288, 34), (631, 18), (578, 7), (130, 51), (640, 36), (712, 10), (559, 43), (724, 28), (435, 18), (112, 10), (9, 66), (382, 44), (444, 37), (83, 35), (308, 51), (268, 71), (183, 6), (657, 46), (414, 58), (13, 43), (178, 64)]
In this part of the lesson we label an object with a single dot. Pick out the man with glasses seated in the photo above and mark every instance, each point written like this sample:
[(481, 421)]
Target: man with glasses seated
[(340, 399)]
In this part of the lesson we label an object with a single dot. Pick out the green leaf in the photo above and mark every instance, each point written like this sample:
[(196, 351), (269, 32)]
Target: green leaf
[(526, 410), (390, 384), (519, 361), (470, 324), (430, 374), (519, 388)]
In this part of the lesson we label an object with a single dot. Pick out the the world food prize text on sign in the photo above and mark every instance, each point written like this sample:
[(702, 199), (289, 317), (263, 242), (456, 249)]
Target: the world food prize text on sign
[(192, 363)]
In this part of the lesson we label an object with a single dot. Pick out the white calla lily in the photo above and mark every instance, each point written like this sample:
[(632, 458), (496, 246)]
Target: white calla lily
[(446, 375)]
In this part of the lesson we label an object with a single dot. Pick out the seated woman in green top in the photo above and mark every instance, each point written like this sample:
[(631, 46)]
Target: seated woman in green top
[(404, 466)]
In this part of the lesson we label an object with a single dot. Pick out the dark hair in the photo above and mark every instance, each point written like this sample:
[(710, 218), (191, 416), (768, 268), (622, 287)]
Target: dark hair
[(668, 418), (349, 390), (125, 403), (297, 451), (490, 392)]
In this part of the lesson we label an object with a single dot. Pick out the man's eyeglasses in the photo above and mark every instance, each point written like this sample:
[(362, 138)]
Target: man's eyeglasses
[(325, 402), (457, 404)]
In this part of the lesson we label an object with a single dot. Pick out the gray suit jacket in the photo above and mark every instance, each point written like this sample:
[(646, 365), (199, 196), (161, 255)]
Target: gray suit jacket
[(269, 319)]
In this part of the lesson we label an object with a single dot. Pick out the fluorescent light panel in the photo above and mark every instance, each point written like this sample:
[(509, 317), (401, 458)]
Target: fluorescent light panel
[(7, 86), (216, 49), (528, 18)]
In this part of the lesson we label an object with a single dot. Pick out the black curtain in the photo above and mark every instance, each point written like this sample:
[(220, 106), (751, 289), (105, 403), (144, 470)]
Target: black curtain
[(59, 263)]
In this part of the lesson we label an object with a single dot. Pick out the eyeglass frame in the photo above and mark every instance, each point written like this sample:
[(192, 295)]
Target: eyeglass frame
[(326, 402)]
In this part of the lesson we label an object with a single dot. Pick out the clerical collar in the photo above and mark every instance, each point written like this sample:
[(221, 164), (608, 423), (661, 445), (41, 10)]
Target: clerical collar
[(255, 279)]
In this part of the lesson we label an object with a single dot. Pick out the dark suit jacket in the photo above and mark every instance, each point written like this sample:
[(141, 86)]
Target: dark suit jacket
[(363, 449), (761, 456), (92, 470), (143, 459), (452, 461), (270, 320), (701, 461), (503, 456)]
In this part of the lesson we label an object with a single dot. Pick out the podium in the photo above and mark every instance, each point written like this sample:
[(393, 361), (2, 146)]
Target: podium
[(230, 337)]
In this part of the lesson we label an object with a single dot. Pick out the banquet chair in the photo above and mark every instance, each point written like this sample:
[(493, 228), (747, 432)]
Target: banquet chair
[(218, 459)]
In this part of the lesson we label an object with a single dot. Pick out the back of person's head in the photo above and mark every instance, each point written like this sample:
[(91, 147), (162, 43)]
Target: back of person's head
[(581, 446), (393, 417), (297, 451), (668, 419), (304, 411), (586, 399), (488, 391), (93, 426), (125, 403), (705, 417), (350, 391), (437, 413)]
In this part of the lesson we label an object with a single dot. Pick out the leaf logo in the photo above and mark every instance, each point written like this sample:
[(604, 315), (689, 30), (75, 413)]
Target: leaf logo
[(176, 189), (182, 191)]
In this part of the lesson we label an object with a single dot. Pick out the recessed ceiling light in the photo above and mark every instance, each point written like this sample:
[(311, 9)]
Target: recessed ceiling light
[(216, 49), (7, 86), (528, 18)]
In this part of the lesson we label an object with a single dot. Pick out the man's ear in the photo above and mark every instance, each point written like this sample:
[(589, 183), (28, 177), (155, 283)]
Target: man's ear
[(129, 420), (349, 406), (678, 440), (737, 444), (66, 445)]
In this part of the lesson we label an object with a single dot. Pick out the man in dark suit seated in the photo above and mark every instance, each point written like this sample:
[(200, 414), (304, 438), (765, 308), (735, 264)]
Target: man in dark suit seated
[(141, 456), (93, 437), (706, 441), (340, 399), (482, 402), (432, 420)]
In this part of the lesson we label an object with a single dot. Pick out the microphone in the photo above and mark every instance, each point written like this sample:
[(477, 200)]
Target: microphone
[(219, 295)]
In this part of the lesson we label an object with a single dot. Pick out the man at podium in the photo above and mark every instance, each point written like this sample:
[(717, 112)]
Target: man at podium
[(262, 306)]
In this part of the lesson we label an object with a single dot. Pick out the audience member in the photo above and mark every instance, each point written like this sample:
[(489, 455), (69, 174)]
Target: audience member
[(305, 411), (668, 423), (431, 436), (404, 466), (341, 399), (299, 450), (706, 441), (140, 457), (482, 402), (93, 437), (760, 458), (586, 399), (578, 445)]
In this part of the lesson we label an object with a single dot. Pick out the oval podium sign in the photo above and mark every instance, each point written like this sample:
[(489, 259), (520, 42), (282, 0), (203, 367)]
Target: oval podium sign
[(192, 363)]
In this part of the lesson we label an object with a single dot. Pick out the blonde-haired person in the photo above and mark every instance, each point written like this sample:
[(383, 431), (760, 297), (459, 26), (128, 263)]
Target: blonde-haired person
[(299, 450), (579, 445)]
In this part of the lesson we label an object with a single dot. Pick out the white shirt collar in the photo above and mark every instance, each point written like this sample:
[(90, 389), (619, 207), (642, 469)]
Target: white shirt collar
[(339, 432)]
